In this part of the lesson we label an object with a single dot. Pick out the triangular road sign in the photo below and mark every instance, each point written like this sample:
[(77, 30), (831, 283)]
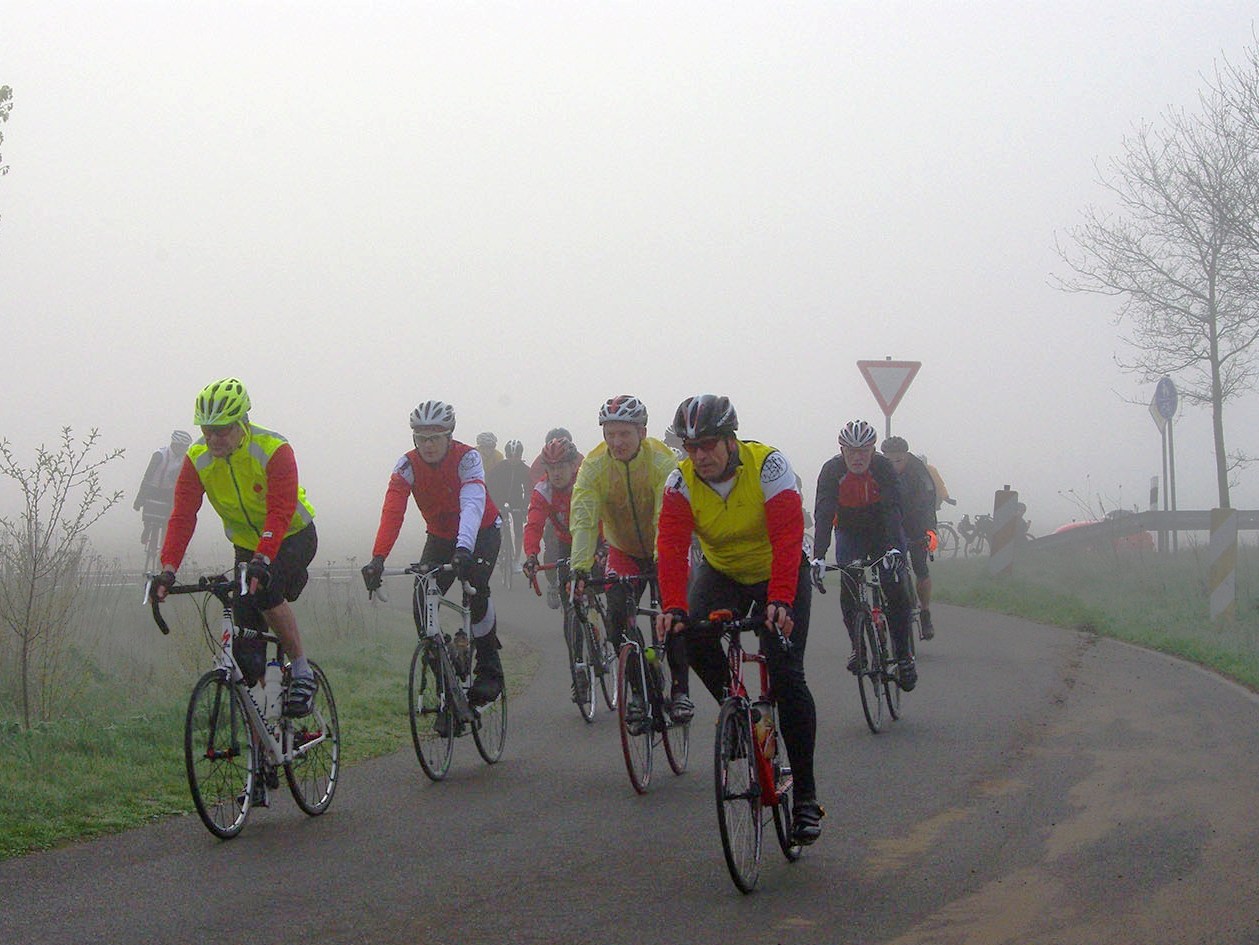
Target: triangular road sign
[(888, 380)]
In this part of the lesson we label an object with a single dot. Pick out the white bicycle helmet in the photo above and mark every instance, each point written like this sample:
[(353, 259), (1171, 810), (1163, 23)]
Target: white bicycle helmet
[(180, 438), (857, 433), (434, 413), (624, 408)]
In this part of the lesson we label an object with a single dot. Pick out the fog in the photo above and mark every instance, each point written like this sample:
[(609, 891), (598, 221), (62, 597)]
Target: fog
[(526, 208)]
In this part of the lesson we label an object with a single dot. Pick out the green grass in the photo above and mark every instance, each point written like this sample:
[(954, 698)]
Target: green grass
[(1153, 601), (108, 765)]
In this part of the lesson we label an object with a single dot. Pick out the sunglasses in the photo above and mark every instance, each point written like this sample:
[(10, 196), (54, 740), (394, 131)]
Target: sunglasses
[(429, 437), (706, 445), (222, 430)]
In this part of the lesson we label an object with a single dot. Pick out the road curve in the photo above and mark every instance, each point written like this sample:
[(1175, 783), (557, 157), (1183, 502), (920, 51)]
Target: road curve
[(1044, 786)]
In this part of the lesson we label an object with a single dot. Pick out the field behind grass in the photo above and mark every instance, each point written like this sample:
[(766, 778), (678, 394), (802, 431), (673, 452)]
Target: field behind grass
[(113, 758), (1156, 601)]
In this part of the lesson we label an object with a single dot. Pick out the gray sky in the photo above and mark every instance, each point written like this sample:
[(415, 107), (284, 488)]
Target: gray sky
[(525, 208)]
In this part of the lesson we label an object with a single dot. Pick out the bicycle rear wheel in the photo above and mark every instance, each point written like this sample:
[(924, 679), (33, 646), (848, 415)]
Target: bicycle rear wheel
[(738, 795), (489, 731), (890, 677), (676, 737), (949, 543), (219, 755), (636, 733), (431, 710), (312, 775), (580, 665), (608, 666), (870, 672)]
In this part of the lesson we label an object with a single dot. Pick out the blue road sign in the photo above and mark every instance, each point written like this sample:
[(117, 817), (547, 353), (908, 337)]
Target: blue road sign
[(1165, 398)]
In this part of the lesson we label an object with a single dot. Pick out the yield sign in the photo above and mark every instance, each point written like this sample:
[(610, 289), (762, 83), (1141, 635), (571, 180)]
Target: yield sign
[(888, 380)]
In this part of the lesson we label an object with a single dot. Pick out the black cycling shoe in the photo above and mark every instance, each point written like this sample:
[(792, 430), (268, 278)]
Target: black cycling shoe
[(300, 701), (907, 675), (854, 663), (928, 631), (806, 822)]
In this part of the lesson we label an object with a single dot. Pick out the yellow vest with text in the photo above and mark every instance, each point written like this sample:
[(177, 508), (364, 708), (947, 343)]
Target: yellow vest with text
[(237, 486), (732, 532)]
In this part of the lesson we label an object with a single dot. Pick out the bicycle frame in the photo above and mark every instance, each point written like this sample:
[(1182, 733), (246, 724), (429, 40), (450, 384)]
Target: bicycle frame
[(429, 601), (736, 659)]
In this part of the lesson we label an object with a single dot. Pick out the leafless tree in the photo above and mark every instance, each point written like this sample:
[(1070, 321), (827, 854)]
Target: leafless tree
[(1175, 250), (42, 550)]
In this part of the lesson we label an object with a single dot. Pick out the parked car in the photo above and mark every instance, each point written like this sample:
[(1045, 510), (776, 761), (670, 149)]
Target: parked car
[(1137, 541)]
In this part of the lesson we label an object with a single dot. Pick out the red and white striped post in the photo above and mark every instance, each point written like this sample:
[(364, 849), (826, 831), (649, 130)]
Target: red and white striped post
[(1005, 529)]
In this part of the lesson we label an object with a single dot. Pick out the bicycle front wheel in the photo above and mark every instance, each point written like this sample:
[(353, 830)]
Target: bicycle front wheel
[(869, 672), (634, 717), (890, 677), (431, 710), (489, 731), (219, 755), (580, 665), (738, 795), (315, 741), (676, 738)]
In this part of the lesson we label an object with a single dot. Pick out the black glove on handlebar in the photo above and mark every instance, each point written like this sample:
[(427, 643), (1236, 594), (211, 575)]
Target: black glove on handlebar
[(373, 572), (166, 579), (259, 569), (530, 567), (462, 562)]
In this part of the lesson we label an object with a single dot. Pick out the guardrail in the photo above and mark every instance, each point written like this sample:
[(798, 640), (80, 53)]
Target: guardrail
[(1196, 520)]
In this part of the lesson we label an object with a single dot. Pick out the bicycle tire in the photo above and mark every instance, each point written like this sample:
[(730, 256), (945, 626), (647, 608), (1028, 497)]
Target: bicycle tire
[(784, 785), (869, 672), (635, 746), (219, 755), (610, 659), (738, 795), (890, 678), (507, 552), (676, 737), (431, 709), (489, 731), (579, 666), (312, 775), (948, 542)]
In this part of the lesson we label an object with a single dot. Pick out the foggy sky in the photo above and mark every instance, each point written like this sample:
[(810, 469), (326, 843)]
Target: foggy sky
[(526, 208)]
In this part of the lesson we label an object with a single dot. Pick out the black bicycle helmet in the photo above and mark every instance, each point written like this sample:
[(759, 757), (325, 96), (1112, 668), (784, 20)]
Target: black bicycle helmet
[(705, 415)]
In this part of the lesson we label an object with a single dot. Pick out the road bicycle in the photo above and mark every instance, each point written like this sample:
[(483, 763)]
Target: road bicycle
[(976, 535), (751, 774), (591, 656), (878, 674), (644, 691), (236, 738), (442, 672), (153, 547)]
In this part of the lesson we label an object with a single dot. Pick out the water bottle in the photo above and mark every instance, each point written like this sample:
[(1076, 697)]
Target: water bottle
[(274, 688), (462, 657), (763, 725)]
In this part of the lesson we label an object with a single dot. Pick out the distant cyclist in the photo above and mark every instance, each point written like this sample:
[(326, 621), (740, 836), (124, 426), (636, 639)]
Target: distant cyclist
[(509, 485), (537, 469), (859, 498), (157, 488), (549, 504), (249, 474), (487, 446), (619, 486), (739, 497), (446, 480), (918, 507)]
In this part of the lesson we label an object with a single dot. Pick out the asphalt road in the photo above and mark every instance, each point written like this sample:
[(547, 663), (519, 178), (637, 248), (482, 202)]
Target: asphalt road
[(1044, 786)]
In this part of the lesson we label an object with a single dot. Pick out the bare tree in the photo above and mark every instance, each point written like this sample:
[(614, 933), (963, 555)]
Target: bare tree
[(1175, 251), (42, 549)]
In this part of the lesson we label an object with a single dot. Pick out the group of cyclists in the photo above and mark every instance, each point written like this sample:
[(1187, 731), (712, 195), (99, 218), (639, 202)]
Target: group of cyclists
[(633, 503)]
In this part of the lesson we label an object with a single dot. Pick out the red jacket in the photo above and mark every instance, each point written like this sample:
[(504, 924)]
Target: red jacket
[(547, 503)]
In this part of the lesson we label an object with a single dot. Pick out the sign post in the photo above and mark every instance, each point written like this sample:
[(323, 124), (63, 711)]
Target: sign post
[(888, 380), (1162, 409)]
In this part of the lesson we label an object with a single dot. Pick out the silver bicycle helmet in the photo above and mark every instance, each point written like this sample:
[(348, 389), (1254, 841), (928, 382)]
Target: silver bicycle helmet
[(624, 408), (857, 433), (434, 413)]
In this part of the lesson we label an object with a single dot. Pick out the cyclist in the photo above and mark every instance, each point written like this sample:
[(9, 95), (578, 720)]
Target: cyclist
[(487, 446), (249, 474), (918, 506), (942, 491), (619, 486), (739, 497), (509, 484), (157, 488), (549, 504), (858, 497), (537, 469), (447, 482)]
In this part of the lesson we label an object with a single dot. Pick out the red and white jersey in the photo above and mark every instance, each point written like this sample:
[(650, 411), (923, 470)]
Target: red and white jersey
[(547, 502), (451, 496)]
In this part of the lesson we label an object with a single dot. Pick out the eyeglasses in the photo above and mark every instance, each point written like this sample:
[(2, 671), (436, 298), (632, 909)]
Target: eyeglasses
[(706, 445), (429, 437)]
